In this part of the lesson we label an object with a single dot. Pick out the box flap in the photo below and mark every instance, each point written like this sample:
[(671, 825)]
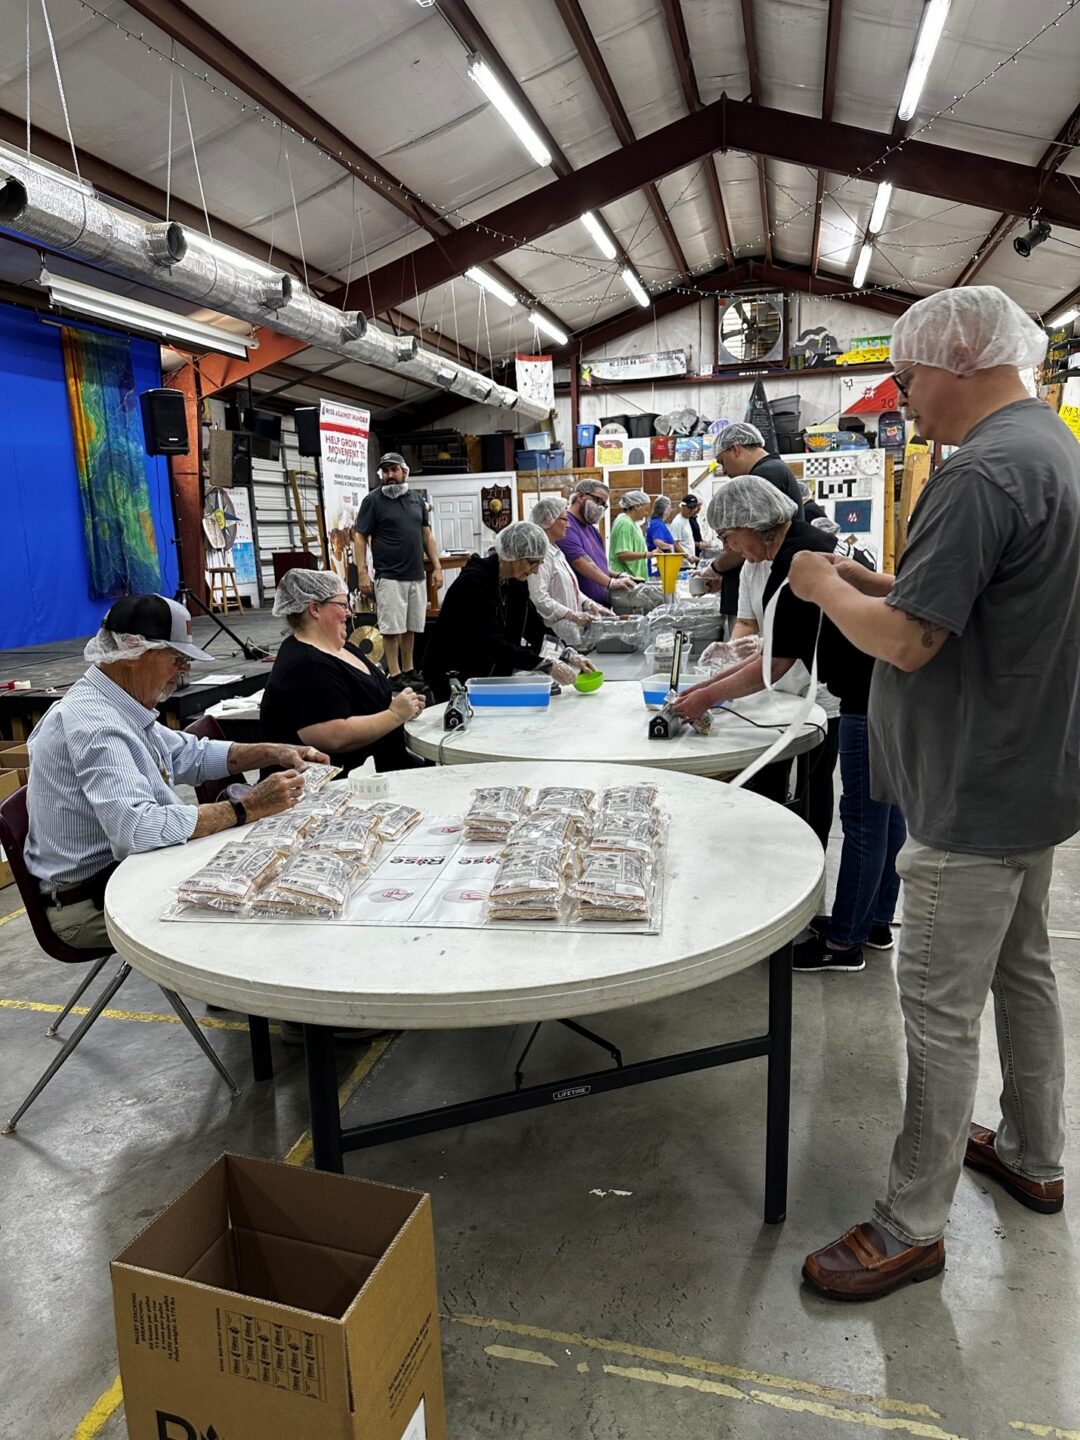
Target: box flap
[(185, 1230), (309, 1277)]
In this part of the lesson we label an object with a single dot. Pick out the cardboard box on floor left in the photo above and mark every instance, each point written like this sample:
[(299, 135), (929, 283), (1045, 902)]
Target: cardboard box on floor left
[(273, 1303), (14, 759), (9, 783)]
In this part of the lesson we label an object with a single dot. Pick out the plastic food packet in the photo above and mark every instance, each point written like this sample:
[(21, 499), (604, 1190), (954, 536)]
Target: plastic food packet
[(234, 875), (394, 820), (612, 887), (314, 884), (282, 831), (631, 833), (559, 798), (528, 886), (351, 836), (725, 655), (629, 798), (315, 775), (494, 811), (544, 830), (328, 801)]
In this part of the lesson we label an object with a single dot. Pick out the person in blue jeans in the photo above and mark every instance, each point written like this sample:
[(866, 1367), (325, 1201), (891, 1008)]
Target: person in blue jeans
[(759, 522)]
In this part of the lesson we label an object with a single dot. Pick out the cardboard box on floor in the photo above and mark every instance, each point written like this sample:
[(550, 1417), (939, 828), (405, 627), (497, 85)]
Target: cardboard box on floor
[(14, 760), (9, 783), (273, 1303)]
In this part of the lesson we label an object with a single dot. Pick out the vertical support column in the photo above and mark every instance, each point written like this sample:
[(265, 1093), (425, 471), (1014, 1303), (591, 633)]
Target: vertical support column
[(778, 1097), (575, 400), (323, 1098), (262, 1061)]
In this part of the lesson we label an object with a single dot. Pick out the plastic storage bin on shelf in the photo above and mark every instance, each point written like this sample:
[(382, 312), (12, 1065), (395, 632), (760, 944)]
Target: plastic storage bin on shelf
[(540, 459), (586, 436), (654, 689), (509, 694), (539, 440)]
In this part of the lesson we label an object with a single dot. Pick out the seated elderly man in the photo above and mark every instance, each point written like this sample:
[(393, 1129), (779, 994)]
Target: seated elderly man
[(554, 589), (102, 767)]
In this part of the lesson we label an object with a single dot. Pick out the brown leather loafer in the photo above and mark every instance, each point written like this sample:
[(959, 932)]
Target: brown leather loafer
[(1045, 1196), (855, 1267)]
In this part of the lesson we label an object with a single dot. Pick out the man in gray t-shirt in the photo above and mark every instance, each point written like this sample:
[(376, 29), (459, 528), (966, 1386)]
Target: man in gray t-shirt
[(975, 734)]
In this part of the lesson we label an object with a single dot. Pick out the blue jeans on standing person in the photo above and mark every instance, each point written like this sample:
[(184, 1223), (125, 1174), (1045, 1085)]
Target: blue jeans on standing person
[(868, 885)]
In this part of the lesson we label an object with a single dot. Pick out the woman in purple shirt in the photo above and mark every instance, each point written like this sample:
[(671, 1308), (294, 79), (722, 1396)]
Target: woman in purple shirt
[(583, 545)]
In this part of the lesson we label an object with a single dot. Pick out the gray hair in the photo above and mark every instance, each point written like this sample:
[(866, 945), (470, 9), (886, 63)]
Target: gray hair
[(750, 503), (521, 541), (741, 433), (632, 499), (591, 487), (661, 505), (298, 588), (545, 512)]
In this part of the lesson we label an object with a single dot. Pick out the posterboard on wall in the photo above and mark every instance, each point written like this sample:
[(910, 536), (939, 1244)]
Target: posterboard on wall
[(242, 553), (534, 377), (343, 439)]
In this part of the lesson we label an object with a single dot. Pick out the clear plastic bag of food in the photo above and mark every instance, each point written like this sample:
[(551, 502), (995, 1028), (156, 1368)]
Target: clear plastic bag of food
[(282, 830), (616, 635), (555, 799), (529, 885), (628, 798), (545, 829), (394, 820), (228, 882), (324, 803), (612, 887), (494, 811), (316, 774), (725, 655), (352, 836), (314, 884), (628, 832)]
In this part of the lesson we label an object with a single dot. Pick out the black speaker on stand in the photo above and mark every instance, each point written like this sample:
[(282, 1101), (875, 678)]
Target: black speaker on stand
[(164, 422)]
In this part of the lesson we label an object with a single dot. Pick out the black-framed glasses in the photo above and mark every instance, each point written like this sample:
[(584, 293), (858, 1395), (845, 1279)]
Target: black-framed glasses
[(340, 604), (900, 383)]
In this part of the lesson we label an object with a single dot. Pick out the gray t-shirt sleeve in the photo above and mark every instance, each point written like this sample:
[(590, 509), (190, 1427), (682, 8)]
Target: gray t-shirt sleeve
[(365, 515), (959, 532)]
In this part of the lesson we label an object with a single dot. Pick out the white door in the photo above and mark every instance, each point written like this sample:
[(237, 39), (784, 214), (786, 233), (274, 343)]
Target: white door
[(457, 524)]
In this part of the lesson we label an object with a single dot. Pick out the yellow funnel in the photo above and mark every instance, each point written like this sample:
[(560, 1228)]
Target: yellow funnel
[(669, 567)]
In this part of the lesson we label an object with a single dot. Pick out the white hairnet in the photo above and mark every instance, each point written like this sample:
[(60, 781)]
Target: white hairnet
[(741, 433), (749, 503), (299, 588), (972, 327), (107, 645), (633, 498), (545, 512), (522, 541), (590, 487)]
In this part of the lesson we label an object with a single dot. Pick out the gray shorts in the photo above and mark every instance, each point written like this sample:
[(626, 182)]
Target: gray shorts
[(401, 605)]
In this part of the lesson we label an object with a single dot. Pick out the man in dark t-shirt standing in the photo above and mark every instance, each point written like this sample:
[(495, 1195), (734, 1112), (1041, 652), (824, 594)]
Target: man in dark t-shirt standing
[(394, 521), (740, 450)]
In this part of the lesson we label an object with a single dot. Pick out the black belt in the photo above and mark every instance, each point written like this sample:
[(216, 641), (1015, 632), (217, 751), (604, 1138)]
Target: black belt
[(92, 889)]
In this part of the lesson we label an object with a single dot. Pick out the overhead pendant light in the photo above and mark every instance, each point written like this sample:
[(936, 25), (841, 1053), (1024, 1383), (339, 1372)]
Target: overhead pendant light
[(541, 322), (859, 278), (634, 285), (205, 245), (482, 73), (1065, 318), (933, 23), (491, 285), (601, 238), (881, 206), (128, 314)]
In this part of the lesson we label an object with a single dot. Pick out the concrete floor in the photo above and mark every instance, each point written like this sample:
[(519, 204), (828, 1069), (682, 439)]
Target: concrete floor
[(568, 1310)]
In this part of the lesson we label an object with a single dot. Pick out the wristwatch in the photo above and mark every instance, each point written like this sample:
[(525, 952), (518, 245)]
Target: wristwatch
[(239, 811)]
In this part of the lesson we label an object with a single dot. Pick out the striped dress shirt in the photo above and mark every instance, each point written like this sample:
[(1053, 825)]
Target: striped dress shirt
[(102, 771)]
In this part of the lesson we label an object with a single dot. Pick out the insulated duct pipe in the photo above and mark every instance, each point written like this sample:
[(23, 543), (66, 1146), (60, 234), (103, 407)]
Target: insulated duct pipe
[(51, 207)]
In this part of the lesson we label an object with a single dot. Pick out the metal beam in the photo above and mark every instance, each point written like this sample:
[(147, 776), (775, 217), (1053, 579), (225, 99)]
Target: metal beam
[(750, 40), (828, 100), (327, 385), (936, 170), (680, 49), (1050, 162), (589, 54)]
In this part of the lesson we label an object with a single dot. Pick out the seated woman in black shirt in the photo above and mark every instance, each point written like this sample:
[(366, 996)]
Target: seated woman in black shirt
[(321, 686)]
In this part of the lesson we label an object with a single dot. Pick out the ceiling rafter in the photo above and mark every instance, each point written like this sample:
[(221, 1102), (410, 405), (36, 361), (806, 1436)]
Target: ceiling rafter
[(680, 49), (1049, 163), (589, 54), (750, 40), (828, 100)]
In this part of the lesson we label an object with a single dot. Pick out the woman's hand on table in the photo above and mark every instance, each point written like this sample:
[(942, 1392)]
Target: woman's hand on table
[(692, 704), (274, 794), (407, 705)]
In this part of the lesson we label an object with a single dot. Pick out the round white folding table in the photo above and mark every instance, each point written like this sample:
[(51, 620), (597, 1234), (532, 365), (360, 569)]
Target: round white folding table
[(742, 877), (611, 725)]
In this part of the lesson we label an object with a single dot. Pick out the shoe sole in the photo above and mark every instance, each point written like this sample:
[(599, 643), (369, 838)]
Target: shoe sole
[(1030, 1202), (915, 1277), (835, 969), (871, 945)]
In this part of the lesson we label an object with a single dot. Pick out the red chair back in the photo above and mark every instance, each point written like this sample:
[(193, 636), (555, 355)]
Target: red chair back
[(207, 728)]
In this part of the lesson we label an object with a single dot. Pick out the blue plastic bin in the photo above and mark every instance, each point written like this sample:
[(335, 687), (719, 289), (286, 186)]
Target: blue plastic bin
[(509, 694), (586, 436)]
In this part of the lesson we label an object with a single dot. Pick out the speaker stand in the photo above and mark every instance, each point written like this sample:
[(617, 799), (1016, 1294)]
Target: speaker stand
[(250, 651)]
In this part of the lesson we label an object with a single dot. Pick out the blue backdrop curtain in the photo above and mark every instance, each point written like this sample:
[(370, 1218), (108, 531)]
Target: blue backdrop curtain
[(45, 582)]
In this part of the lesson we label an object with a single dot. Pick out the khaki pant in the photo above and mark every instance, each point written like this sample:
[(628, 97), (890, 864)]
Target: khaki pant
[(81, 925), (973, 925)]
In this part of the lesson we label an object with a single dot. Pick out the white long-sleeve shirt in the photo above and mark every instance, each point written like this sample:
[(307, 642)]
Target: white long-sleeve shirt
[(555, 592)]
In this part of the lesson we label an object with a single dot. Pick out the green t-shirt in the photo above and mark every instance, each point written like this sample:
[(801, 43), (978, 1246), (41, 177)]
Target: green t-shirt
[(626, 535)]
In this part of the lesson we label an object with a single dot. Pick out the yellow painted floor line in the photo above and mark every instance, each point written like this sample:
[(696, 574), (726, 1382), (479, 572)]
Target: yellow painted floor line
[(1064, 935), (95, 1419), (527, 1357), (145, 1017), (6, 919), (696, 1362), (1048, 1430)]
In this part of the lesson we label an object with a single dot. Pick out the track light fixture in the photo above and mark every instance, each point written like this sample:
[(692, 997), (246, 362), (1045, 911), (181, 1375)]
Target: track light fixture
[(1024, 244)]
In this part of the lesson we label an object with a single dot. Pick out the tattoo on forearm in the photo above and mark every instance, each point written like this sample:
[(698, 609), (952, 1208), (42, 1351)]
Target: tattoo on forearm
[(929, 631)]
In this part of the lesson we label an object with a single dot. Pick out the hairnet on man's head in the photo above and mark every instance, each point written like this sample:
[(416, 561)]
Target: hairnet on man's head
[(741, 433), (590, 487), (522, 541), (545, 512), (298, 588), (970, 328), (632, 499), (749, 503)]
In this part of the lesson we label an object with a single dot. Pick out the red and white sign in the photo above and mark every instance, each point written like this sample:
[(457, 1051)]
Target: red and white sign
[(534, 376), (343, 437)]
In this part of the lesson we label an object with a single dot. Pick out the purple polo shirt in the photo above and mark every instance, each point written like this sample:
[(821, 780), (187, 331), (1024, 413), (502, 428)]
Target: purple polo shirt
[(581, 539)]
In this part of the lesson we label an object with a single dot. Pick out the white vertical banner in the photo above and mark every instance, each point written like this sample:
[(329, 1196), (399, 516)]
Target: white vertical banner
[(534, 377), (343, 439)]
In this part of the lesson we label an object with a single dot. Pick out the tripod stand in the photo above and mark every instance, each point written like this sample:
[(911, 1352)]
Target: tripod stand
[(185, 596)]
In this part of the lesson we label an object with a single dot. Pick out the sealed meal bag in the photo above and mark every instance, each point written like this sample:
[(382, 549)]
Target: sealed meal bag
[(315, 775), (236, 873), (566, 798), (641, 798), (630, 832), (612, 887), (394, 820), (528, 886), (314, 885), (544, 830), (353, 836), (282, 830), (328, 801), (494, 811)]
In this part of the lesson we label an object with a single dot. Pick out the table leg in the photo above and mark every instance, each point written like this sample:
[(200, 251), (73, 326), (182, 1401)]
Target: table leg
[(778, 1101), (323, 1098), (262, 1060)]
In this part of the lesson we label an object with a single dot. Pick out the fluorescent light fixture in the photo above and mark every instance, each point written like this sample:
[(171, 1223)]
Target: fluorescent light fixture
[(491, 285), (634, 285), (541, 322), (128, 314), (881, 206), (1065, 318), (203, 243), (933, 23), (485, 77), (602, 239), (863, 266)]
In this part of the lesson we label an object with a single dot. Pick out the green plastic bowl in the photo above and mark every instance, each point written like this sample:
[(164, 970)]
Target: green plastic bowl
[(586, 684)]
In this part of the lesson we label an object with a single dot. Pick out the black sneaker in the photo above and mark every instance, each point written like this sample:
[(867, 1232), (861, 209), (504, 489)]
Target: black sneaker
[(814, 955), (880, 938)]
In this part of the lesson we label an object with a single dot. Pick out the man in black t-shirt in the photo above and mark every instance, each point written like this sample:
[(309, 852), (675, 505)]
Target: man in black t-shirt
[(740, 450)]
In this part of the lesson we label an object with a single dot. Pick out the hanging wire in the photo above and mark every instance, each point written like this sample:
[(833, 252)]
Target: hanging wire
[(195, 156), (273, 193), (60, 87), (168, 158), (296, 216)]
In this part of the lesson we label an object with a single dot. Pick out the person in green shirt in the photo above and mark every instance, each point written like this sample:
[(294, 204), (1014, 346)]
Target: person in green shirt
[(627, 551)]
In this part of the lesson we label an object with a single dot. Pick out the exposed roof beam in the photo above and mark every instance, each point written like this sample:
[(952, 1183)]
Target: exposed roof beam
[(1049, 163), (750, 39), (1065, 303), (680, 49), (589, 54), (327, 385), (828, 100), (936, 170)]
